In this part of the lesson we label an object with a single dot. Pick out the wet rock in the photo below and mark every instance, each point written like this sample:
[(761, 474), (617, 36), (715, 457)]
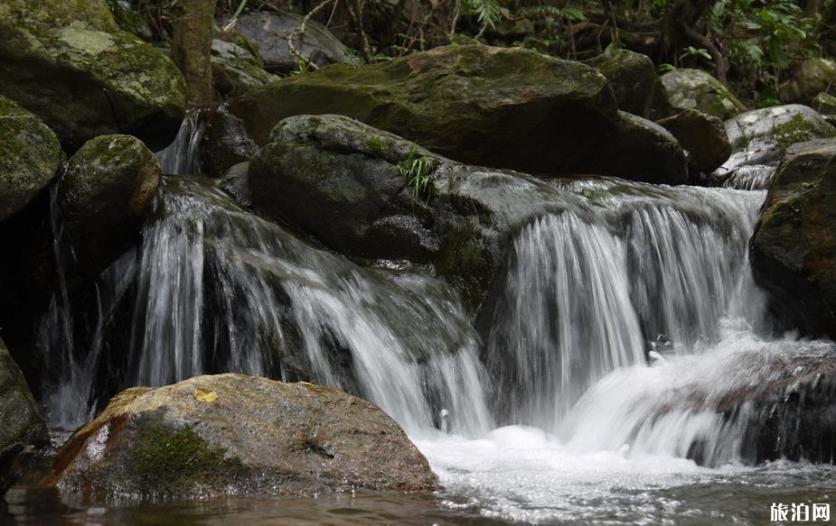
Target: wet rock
[(224, 143), (236, 183), (22, 421), (235, 434), (236, 70), (633, 79), (68, 62), (372, 194), (269, 32), (759, 139), (109, 186), (696, 89), (703, 137), (30, 156), (499, 107), (793, 250), (809, 78)]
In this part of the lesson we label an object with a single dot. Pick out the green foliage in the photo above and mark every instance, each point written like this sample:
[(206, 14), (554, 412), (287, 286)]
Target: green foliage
[(692, 52), (417, 171), (487, 12), (763, 39)]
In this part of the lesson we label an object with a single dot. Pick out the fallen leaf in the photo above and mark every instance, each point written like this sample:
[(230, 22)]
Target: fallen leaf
[(205, 395)]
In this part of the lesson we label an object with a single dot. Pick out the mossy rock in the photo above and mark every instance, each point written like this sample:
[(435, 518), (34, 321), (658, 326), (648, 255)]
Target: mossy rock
[(108, 187), (30, 156), (793, 249), (509, 108), (634, 81), (22, 421), (371, 194), (808, 79), (759, 139), (68, 63), (241, 435), (696, 89), (236, 70)]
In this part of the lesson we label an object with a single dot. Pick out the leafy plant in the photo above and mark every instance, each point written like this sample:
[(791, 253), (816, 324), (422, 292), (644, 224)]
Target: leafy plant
[(693, 52), (487, 12), (417, 171)]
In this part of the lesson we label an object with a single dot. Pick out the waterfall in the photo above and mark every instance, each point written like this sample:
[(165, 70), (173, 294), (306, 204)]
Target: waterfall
[(645, 269), (214, 288), (181, 156)]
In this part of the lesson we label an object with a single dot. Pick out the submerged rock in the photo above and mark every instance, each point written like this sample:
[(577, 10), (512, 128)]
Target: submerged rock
[(369, 193), (499, 107), (696, 89), (633, 79), (30, 156), (703, 137), (67, 62), (109, 185), (269, 32), (22, 421), (239, 435), (759, 139), (793, 250)]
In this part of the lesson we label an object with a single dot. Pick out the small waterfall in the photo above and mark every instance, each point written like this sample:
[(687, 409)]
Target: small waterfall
[(214, 288), (569, 318), (181, 156), (590, 292)]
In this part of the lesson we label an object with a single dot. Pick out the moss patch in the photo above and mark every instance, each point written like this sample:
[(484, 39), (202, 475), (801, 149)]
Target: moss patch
[(173, 461)]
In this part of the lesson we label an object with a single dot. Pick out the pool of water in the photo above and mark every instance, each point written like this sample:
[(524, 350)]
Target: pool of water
[(512, 475)]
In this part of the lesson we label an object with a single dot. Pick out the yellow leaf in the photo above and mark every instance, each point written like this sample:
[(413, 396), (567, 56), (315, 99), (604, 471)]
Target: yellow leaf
[(205, 395)]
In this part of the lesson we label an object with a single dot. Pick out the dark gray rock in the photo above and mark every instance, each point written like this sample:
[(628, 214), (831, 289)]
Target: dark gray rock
[(793, 250), (269, 32)]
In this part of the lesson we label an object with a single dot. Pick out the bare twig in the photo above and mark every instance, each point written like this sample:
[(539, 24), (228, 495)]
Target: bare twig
[(299, 31)]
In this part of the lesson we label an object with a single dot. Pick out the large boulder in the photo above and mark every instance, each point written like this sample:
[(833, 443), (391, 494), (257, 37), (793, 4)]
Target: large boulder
[(633, 78), (696, 89), (67, 62), (793, 250), (30, 156), (236, 434), (498, 107), (703, 137), (108, 187), (22, 421), (269, 32), (369, 193), (809, 78), (759, 139)]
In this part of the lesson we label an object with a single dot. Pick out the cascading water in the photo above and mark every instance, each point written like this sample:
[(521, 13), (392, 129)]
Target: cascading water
[(625, 331), (217, 289), (181, 156), (659, 267)]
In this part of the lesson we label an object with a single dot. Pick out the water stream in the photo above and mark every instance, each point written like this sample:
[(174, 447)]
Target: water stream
[(622, 331)]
